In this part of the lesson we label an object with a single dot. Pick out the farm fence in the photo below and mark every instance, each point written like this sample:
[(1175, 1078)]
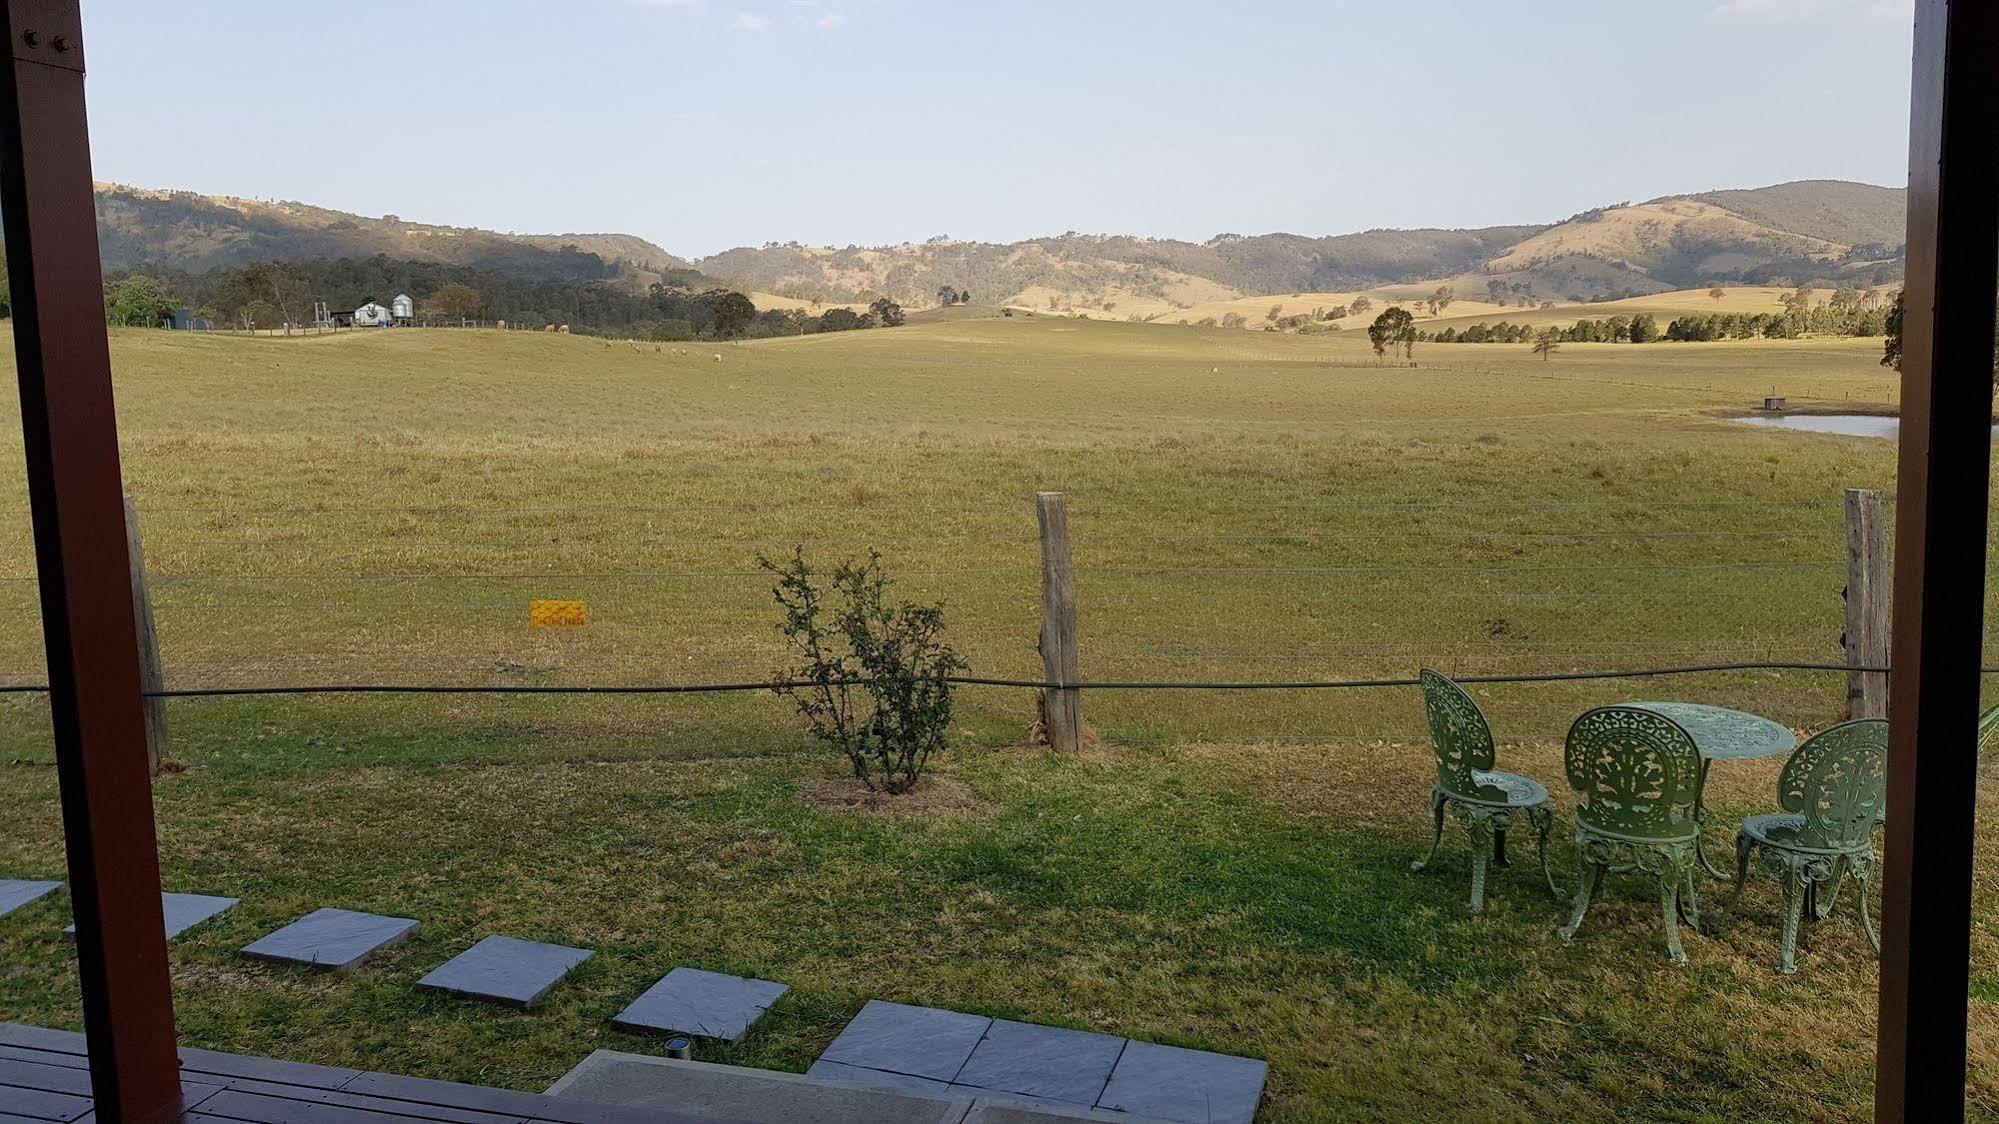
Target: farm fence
[(1276, 605)]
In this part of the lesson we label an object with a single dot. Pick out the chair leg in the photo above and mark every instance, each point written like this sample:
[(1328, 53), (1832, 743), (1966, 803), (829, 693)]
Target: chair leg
[(1437, 837), (1543, 819), (1862, 875), (1481, 832), (1587, 880), (1795, 886), (1745, 849), (1690, 898), (1826, 895), (1669, 910)]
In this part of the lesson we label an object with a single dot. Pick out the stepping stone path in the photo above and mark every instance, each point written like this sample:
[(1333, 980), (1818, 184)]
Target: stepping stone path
[(923, 1049), (887, 1046), (185, 911), (340, 939), (15, 893), (704, 1004), (506, 970)]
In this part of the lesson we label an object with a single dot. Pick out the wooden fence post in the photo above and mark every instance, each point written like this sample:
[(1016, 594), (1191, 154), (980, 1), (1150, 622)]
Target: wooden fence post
[(151, 678), (1867, 604), (1061, 708)]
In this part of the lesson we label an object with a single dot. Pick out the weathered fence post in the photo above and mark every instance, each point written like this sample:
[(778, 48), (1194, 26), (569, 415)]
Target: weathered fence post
[(1061, 708), (1867, 604), (151, 679)]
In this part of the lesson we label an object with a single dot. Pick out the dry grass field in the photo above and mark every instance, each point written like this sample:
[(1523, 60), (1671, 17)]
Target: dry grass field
[(1226, 870), (1741, 299)]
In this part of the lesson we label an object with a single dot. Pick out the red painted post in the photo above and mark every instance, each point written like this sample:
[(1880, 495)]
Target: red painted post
[(1941, 520), (75, 489)]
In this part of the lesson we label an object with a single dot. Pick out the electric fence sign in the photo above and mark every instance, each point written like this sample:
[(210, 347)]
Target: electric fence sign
[(558, 614)]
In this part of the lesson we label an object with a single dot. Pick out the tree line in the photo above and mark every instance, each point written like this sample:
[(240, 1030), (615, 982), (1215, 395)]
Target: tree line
[(1642, 328), (684, 305), (1849, 312)]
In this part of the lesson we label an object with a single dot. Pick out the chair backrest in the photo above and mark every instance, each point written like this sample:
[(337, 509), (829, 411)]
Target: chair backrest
[(1638, 772), (1459, 735), (1839, 782)]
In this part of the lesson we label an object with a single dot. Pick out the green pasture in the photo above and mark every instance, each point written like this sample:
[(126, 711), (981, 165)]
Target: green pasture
[(1221, 869)]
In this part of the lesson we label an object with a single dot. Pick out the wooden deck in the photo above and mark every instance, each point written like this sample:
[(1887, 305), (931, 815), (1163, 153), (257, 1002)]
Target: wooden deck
[(45, 1076)]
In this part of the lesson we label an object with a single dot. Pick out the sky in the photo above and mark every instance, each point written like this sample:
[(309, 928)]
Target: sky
[(708, 124)]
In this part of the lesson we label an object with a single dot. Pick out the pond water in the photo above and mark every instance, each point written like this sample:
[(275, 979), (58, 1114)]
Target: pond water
[(1846, 425)]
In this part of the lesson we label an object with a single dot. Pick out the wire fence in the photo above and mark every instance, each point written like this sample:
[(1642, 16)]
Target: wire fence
[(1265, 599)]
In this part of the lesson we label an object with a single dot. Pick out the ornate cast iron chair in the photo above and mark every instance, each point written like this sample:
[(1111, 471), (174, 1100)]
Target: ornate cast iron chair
[(1834, 794), (1483, 800), (1639, 776)]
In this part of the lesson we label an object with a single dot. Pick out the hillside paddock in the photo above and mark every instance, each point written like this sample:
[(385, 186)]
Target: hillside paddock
[(1225, 870)]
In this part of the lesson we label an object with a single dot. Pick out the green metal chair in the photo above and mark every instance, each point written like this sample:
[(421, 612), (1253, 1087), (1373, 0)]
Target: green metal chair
[(1834, 792), (1988, 731), (1483, 800), (1639, 776)]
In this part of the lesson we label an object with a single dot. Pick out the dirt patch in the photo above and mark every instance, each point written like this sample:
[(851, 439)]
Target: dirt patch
[(933, 796)]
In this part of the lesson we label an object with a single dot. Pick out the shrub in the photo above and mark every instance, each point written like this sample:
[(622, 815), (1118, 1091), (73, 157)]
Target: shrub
[(870, 677), (672, 331)]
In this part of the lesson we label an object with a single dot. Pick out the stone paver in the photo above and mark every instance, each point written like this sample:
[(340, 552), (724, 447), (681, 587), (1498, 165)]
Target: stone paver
[(1043, 1062), (704, 1004), (1013, 1066), (15, 893), (880, 1079), (720, 1092), (340, 939), (920, 1041), (185, 911), (506, 970), (1193, 1086)]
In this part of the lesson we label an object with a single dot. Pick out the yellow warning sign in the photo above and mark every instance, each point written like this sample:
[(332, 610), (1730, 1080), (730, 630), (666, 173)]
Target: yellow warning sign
[(558, 614)]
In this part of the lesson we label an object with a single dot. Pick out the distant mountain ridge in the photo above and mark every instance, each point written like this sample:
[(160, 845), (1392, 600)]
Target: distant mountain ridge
[(1855, 214), (1828, 232), (186, 231)]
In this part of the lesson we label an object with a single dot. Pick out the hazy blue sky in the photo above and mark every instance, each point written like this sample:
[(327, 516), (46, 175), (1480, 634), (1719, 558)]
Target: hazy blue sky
[(704, 124)]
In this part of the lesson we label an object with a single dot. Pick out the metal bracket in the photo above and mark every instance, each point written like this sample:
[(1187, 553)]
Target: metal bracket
[(49, 32)]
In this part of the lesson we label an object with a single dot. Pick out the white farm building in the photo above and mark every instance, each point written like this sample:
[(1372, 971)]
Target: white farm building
[(400, 312)]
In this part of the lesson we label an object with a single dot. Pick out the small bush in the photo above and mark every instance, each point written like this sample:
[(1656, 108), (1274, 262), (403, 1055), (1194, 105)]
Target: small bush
[(870, 677)]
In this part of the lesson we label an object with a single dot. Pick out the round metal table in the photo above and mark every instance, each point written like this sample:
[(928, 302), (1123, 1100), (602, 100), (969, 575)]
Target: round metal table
[(1722, 734)]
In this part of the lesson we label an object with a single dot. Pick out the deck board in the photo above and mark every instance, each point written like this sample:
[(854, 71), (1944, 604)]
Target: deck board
[(44, 1078)]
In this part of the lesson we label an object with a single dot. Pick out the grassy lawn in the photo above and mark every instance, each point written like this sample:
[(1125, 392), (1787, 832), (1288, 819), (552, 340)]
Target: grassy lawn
[(1227, 871), (1247, 898), (1244, 506)]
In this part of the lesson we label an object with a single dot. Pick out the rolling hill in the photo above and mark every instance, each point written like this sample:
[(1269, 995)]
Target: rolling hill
[(1834, 210), (1827, 232), (185, 231), (1824, 231)]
